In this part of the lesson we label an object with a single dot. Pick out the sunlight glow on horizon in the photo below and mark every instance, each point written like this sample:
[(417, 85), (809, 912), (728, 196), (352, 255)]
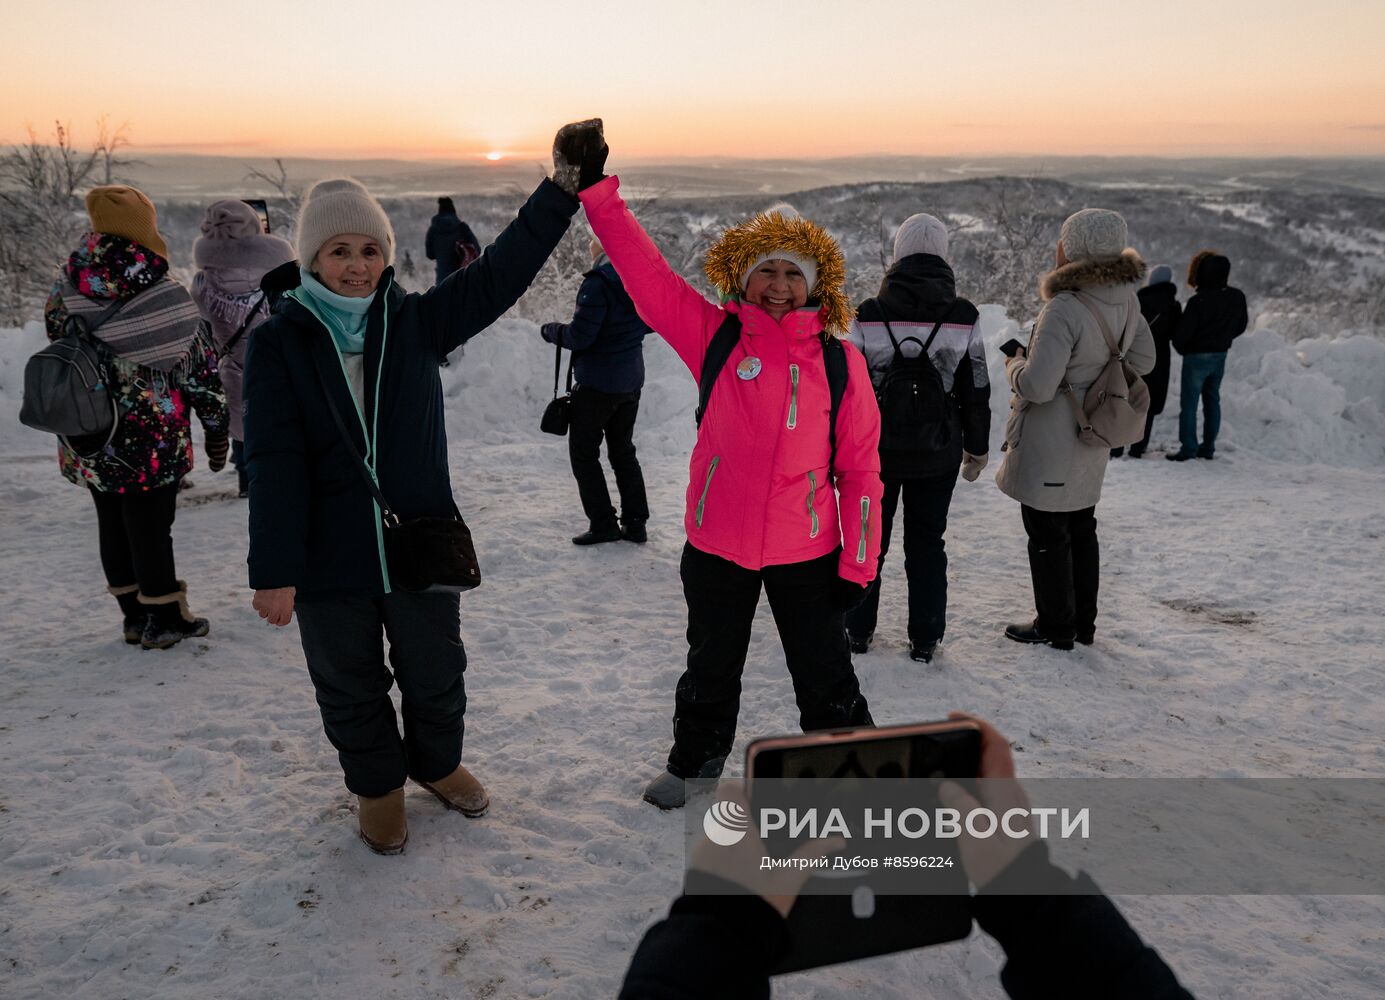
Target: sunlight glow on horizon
[(947, 79)]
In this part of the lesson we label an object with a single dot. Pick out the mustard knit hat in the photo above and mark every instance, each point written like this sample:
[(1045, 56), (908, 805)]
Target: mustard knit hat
[(117, 210)]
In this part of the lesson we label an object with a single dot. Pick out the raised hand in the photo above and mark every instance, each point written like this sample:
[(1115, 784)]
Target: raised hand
[(579, 155)]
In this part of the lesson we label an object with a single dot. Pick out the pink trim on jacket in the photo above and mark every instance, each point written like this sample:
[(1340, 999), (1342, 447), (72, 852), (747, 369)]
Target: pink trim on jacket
[(759, 490)]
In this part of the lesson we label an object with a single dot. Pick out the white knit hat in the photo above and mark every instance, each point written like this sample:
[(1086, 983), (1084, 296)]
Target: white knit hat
[(334, 208), (1094, 234), (920, 234), (804, 264)]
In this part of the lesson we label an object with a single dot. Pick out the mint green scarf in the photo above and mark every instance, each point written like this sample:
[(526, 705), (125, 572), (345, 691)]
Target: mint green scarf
[(343, 316)]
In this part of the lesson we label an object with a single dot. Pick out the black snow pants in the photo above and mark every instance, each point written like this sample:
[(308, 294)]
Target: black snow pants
[(1065, 564), (721, 600), (135, 532), (343, 643), (595, 414), (926, 503)]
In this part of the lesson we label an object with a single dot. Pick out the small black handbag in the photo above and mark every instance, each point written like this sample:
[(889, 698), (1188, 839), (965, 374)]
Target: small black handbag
[(557, 415), (432, 554)]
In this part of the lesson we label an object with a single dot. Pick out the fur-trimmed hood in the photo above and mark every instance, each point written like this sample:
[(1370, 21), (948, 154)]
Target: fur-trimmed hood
[(1074, 276), (740, 246)]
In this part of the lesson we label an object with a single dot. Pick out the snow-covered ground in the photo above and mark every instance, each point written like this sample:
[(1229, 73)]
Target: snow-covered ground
[(173, 824)]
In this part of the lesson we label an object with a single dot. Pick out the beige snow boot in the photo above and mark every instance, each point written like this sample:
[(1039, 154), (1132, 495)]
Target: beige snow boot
[(170, 621), (383, 826), (460, 791)]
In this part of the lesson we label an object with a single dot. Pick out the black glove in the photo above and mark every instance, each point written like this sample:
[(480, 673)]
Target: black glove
[(551, 331), (579, 155), (846, 594), (218, 443)]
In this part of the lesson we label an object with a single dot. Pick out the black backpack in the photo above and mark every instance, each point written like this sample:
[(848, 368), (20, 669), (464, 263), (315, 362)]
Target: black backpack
[(68, 387), (724, 341), (916, 416)]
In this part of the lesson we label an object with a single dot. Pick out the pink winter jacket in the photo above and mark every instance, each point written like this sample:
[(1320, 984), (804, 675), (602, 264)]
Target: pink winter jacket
[(759, 491)]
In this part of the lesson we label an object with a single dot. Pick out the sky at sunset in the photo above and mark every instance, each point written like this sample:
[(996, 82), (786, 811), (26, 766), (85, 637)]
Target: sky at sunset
[(422, 79)]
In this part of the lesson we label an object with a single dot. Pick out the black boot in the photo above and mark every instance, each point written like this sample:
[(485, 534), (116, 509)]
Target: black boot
[(136, 614), (859, 643), (632, 530), (596, 535), (170, 621), (925, 652), (1031, 634)]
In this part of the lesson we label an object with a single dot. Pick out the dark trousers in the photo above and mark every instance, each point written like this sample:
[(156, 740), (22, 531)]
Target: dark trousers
[(721, 606), (135, 531), (926, 502), (1065, 563), (342, 641), (238, 462), (595, 413), (1201, 380)]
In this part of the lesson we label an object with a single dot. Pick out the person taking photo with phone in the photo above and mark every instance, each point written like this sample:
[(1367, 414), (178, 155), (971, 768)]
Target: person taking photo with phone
[(787, 426), (232, 255), (1074, 943), (344, 338), (1046, 465)]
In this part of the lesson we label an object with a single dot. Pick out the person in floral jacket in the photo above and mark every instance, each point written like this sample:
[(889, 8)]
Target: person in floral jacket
[(161, 365)]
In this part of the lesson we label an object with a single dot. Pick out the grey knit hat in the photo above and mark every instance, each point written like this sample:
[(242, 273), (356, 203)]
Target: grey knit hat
[(334, 208), (920, 234), (1160, 274), (1094, 234)]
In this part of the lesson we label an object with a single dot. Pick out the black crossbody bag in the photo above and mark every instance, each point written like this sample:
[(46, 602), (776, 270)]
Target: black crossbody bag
[(423, 553), (558, 414)]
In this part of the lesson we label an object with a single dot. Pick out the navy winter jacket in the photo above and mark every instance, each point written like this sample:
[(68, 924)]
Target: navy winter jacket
[(313, 522), (1216, 315), (444, 232), (606, 335)]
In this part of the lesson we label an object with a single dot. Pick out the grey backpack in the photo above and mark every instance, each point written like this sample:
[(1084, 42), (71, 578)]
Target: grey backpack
[(67, 387), (1112, 415)]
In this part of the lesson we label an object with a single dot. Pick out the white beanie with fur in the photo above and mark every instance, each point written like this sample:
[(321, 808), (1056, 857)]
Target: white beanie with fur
[(334, 208)]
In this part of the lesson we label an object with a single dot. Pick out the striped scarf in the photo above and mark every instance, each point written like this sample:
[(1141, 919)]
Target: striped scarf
[(154, 329)]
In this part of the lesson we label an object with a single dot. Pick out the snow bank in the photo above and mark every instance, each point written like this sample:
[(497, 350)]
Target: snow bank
[(1320, 400)]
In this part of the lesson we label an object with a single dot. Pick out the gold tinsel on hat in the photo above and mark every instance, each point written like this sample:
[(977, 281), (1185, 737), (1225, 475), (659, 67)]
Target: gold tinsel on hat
[(740, 246)]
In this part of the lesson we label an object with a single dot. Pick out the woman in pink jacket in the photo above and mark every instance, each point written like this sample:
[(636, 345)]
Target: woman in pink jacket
[(770, 500)]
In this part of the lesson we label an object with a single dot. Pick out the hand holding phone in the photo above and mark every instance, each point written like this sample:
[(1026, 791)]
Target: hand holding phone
[(1011, 348), (985, 858)]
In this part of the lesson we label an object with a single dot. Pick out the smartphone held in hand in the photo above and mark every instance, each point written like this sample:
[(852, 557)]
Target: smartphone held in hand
[(858, 917)]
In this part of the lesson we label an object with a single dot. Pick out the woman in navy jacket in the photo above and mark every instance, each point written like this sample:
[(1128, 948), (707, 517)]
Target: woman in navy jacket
[(606, 338), (342, 326)]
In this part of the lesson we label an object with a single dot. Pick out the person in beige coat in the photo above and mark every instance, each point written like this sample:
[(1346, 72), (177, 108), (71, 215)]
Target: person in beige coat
[(1046, 467)]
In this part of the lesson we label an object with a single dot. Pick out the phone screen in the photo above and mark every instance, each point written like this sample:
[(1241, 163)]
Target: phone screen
[(954, 753), (261, 208), (830, 928)]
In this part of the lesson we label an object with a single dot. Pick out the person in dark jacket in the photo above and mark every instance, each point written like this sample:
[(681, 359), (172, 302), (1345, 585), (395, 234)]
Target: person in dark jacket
[(343, 334), (448, 239), (1064, 945), (163, 369), (1215, 316), (606, 337), (1160, 308), (917, 298)]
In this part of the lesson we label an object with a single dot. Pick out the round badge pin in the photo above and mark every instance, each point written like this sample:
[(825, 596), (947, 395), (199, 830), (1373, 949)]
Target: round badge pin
[(748, 369)]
